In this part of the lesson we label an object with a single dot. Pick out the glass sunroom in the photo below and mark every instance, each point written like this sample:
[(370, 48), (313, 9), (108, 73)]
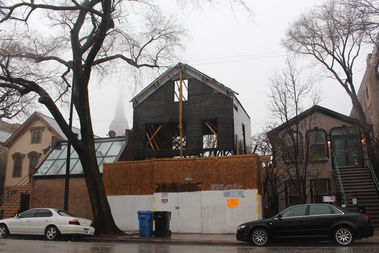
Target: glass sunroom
[(108, 150)]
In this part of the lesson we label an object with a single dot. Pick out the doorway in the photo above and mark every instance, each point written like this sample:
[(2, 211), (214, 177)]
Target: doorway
[(346, 147)]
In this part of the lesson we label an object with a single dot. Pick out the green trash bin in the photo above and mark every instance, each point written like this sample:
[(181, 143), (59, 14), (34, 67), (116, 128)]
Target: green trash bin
[(145, 219)]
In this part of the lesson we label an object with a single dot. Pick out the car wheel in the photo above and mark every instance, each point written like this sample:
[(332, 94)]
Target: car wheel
[(51, 233), (259, 237), (343, 236), (3, 231)]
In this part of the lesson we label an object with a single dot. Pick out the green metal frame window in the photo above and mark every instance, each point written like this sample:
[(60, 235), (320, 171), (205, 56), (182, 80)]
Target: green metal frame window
[(107, 151)]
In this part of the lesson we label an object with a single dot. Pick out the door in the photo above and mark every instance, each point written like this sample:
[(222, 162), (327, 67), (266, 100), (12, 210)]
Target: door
[(38, 223), (21, 223), (185, 208), (290, 222), (320, 220), (24, 202), (346, 147)]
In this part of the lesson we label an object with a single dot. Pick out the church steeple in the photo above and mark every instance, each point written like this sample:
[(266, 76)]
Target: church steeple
[(119, 123)]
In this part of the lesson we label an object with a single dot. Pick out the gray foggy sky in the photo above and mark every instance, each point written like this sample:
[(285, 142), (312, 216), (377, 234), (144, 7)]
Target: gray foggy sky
[(238, 49)]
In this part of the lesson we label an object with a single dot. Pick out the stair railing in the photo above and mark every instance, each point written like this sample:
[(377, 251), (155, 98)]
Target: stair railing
[(340, 181), (373, 175)]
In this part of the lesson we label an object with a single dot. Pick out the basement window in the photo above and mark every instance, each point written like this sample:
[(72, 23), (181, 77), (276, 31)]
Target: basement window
[(184, 90)]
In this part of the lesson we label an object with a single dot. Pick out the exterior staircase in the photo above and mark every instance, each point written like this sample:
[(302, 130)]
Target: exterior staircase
[(11, 200), (358, 184)]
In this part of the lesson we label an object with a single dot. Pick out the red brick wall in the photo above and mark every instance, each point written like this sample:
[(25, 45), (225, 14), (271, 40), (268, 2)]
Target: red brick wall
[(214, 173), (49, 192)]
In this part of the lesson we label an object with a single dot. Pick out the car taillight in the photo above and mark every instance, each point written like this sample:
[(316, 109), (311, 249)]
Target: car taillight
[(74, 222), (367, 217), (92, 225)]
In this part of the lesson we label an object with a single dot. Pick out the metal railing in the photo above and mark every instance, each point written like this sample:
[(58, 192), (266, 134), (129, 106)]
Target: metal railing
[(340, 181), (373, 175)]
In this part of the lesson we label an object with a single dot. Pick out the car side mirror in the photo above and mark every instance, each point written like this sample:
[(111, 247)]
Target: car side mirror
[(279, 217), (18, 216)]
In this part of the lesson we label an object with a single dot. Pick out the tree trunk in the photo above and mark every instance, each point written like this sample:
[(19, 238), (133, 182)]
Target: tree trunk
[(103, 219)]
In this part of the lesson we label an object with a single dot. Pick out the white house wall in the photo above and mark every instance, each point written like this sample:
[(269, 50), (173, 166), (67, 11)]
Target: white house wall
[(191, 212)]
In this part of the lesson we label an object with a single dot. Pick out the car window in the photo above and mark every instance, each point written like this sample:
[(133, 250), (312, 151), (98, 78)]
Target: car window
[(44, 213), (63, 213), (294, 211), (336, 210), (319, 210), (29, 213)]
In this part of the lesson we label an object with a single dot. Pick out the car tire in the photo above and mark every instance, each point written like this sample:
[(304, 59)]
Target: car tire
[(51, 233), (343, 236), (259, 237), (3, 231)]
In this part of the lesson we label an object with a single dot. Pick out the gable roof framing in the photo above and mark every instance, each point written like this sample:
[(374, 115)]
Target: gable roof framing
[(173, 74)]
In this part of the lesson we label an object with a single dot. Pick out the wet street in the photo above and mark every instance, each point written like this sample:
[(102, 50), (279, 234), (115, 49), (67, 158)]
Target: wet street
[(41, 246)]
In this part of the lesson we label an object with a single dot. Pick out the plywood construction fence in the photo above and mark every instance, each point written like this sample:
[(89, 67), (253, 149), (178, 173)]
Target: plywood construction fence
[(210, 195), (213, 173)]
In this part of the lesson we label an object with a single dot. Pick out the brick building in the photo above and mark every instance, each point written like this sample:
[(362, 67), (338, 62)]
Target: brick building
[(48, 184), (26, 148), (313, 150)]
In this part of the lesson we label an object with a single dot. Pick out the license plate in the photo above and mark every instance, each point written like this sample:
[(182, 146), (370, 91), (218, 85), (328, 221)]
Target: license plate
[(86, 230)]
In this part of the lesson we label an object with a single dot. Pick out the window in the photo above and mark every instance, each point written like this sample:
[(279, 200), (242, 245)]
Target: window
[(17, 164), (292, 147), (319, 210), (36, 135), (317, 144), (209, 131), (319, 188), (44, 213), (29, 213), (294, 211), (33, 161), (293, 195), (184, 90)]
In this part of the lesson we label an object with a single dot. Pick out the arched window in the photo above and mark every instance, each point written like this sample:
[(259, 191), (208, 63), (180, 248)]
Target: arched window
[(317, 144), (292, 146), (33, 161), (17, 164)]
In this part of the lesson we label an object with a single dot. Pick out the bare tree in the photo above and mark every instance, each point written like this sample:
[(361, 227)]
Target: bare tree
[(290, 91), (333, 34), (48, 49), (261, 146)]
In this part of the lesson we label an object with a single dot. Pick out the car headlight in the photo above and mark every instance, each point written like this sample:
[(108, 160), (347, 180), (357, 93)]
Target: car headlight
[(241, 227)]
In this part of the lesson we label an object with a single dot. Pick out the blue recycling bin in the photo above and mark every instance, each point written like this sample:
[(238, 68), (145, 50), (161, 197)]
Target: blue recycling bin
[(145, 219)]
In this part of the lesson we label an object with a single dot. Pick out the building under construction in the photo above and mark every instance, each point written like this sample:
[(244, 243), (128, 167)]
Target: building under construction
[(185, 113)]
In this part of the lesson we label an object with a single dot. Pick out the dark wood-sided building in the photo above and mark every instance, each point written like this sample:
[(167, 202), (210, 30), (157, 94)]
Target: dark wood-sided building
[(214, 123)]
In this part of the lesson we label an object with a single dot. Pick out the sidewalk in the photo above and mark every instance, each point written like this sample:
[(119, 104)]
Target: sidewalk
[(200, 239)]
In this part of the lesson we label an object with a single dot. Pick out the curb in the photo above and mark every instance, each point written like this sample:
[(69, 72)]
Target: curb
[(151, 240), (166, 241)]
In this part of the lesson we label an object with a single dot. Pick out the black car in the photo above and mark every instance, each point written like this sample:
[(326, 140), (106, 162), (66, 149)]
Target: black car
[(322, 221)]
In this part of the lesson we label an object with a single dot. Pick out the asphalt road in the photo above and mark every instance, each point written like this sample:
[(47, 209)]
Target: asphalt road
[(42, 246)]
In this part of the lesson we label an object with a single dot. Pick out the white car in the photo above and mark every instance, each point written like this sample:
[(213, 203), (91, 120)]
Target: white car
[(46, 221)]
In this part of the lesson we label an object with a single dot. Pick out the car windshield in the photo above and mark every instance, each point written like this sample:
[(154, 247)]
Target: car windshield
[(63, 213)]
